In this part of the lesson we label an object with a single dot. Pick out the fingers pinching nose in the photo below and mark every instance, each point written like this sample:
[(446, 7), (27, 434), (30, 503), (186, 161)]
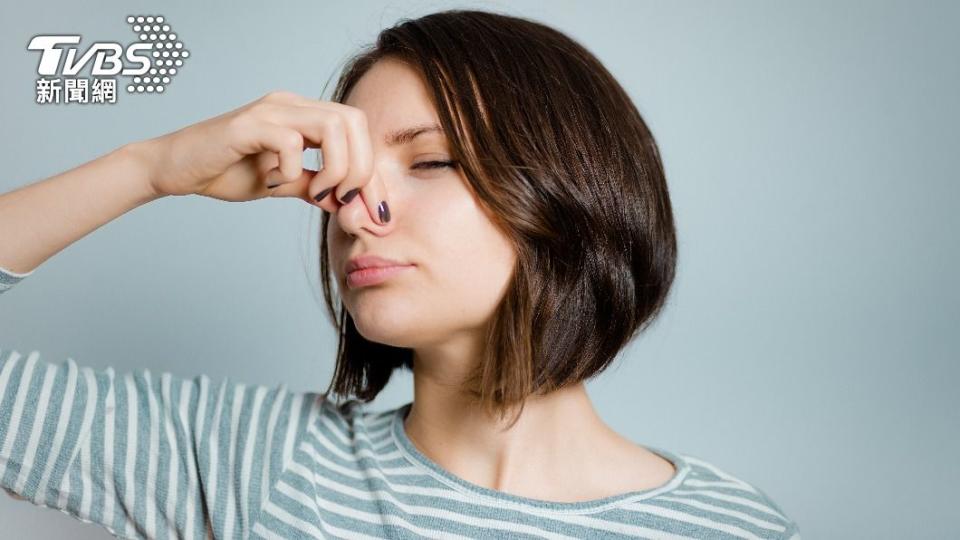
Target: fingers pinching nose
[(383, 209)]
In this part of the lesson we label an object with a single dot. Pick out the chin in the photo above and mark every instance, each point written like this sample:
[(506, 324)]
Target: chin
[(379, 324)]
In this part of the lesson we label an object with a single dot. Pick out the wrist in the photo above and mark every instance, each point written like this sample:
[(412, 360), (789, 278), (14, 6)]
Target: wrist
[(141, 157)]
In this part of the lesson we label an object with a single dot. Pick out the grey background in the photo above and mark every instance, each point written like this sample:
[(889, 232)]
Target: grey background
[(810, 346)]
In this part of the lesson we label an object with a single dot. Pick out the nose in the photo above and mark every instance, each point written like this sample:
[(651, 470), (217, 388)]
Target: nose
[(354, 217)]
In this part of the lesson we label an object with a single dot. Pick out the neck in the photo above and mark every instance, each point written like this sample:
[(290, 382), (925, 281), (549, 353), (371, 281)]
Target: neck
[(552, 433)]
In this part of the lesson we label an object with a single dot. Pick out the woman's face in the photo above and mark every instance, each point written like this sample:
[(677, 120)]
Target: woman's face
[(462, 263)]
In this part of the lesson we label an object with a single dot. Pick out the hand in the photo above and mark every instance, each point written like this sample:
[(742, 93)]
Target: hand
[(236, 155)]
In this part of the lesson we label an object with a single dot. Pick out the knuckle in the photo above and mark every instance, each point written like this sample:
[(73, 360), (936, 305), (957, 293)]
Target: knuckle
[(330, 131), (359, 117), (293, 139), (333, 123), (274, 95)]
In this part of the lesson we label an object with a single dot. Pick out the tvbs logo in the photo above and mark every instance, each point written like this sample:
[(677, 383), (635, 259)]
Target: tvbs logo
[(106, 56), (151, 62)]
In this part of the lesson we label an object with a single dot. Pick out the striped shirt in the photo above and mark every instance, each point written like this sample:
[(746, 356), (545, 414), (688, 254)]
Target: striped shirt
[(162, 457)]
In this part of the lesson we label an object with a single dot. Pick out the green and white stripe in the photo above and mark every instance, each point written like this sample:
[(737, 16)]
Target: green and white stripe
[(144, 456)]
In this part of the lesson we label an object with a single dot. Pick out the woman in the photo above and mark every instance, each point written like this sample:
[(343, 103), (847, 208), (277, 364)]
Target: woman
[(515, 204)]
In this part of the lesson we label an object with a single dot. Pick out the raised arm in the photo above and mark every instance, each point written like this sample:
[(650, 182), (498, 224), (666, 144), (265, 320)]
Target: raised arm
[(249, 153), (42, 218)]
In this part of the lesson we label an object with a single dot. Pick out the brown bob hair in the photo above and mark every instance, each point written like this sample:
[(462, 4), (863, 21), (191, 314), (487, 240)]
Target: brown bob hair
[(564, 165)]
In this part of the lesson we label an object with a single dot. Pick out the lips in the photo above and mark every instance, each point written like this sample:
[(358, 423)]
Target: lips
[(375, 275), (371, 261), (367, 270)]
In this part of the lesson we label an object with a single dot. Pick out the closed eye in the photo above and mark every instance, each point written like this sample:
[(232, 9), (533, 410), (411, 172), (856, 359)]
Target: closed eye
[(435, 164)]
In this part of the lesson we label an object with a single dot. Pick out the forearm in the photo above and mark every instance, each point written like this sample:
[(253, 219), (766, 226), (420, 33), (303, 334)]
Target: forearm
[(39, 220)]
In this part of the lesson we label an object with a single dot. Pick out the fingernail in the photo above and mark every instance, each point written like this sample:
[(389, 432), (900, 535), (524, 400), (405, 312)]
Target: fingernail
[(322, 194), (348, 196), (384, 212)]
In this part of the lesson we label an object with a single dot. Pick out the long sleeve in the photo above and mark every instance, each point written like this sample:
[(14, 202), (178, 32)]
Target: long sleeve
[(144, 456), (9, 278)]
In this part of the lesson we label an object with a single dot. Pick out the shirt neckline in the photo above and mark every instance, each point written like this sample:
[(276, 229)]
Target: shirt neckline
[(413, 454)]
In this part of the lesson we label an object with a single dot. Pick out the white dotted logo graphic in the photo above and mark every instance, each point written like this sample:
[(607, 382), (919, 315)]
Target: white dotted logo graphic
[(149, 64), (167, 56)]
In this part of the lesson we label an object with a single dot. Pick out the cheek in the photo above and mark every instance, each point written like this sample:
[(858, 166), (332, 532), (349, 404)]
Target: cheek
[(471, 263)]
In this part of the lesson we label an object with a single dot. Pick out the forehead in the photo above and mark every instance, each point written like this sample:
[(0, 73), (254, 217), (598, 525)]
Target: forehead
[(392, 95)]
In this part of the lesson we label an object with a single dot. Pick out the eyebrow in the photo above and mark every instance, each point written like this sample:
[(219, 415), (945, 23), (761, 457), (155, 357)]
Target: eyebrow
[(405, 135)]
